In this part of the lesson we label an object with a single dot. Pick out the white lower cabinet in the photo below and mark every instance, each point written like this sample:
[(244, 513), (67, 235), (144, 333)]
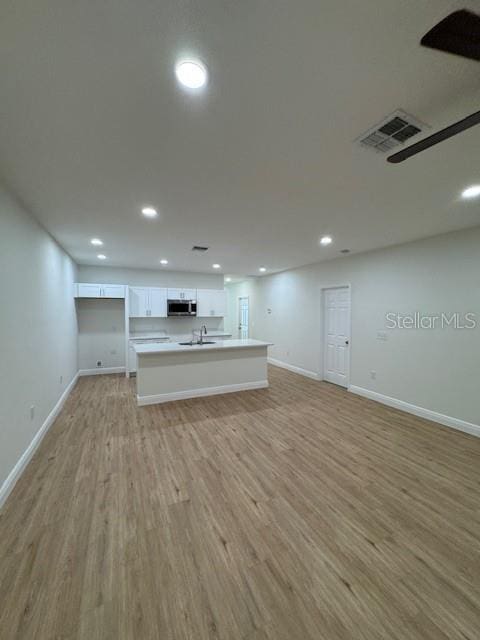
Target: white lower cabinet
[(132, 359), (211, 303)]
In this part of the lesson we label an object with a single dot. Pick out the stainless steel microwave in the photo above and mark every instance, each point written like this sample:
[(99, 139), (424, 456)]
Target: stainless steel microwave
[(181, 307)]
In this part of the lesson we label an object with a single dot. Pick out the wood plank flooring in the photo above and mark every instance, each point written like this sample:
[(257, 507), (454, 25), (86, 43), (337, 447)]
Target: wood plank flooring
[(296, 512)]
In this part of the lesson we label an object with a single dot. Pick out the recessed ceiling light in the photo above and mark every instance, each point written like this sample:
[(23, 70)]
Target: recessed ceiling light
[(471, 192), (191, 74), (263, 269), (228, 279), (163, 261), (325, 240), (216, 266), (149, 212), (96, 241), (101, 256)]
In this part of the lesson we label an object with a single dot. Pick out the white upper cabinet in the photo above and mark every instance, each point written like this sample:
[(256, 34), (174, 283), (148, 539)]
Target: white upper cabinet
[(182, 294), (151, 302), (211, 303), (138, 302), (87, 290), (113, 291), (147, 302), (158, 303)]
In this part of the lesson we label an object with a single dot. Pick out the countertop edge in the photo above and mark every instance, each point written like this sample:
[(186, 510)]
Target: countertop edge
[(141, 351)]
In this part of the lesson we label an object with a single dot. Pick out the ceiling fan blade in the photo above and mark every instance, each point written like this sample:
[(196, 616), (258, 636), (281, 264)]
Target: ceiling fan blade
[(440, 136), (458, 33)]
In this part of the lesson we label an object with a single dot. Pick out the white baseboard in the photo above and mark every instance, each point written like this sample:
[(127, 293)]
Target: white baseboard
[(27, 455), (291, 367), (197, 393), (99, 371), (448, 421)]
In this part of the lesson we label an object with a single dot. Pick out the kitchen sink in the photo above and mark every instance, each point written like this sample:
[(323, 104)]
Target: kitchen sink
[(190, 343)]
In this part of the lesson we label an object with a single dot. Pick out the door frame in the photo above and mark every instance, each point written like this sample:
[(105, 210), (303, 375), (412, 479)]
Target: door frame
[(323, 329), (238, 314)]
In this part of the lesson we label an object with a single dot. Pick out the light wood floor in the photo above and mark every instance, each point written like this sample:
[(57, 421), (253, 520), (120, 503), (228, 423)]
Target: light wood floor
[(291, 513)]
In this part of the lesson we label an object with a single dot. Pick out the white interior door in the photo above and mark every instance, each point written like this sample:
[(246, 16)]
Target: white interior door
[(337, 336), (243, 317)]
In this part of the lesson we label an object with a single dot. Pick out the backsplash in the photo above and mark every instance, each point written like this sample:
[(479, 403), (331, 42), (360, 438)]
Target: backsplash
[(182, 327)]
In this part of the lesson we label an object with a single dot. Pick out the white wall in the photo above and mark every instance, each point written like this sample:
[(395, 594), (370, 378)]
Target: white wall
[(38, 329), (101, 323), (435, 369), (149, 277)]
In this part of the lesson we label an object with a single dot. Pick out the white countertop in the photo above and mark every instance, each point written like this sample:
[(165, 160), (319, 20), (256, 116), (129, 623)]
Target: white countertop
[(174, 347)]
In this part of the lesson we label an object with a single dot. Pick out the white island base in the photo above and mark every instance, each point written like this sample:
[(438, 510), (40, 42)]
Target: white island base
[(167, 372)]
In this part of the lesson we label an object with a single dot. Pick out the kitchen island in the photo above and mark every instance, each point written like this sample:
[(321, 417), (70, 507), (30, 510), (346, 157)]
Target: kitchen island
[(174, 371)]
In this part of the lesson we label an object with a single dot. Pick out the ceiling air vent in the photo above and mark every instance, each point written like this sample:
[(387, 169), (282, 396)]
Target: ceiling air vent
[(199, 249), (391, 132)]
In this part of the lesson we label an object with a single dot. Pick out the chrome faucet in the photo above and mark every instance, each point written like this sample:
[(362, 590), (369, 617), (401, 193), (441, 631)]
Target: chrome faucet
[(203, 331)]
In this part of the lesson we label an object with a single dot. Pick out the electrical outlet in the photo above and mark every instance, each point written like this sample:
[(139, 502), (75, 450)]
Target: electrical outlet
[(32, 412), (99, 363), (373, 375)]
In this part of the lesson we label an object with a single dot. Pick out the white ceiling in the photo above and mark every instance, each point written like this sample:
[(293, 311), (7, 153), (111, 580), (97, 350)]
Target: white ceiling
[(93, 125)]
